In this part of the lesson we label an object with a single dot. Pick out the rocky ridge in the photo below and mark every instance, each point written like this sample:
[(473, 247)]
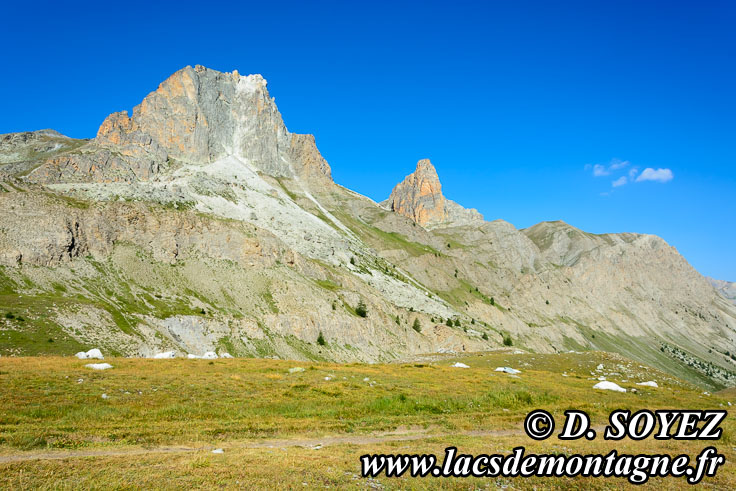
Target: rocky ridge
[(725, 288), (200, 223)]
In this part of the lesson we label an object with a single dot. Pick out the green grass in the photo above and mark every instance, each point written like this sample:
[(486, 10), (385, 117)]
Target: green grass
[(381, 239), (229, 403), (328, 285)]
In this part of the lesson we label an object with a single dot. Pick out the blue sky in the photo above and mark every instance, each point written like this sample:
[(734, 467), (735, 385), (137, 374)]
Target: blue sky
[(529, 110)]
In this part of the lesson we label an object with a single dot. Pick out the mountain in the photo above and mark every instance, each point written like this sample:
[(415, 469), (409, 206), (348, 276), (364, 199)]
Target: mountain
[(725, 288), (200, 223)]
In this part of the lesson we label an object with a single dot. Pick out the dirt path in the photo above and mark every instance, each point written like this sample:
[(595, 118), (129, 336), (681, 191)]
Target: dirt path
[(281, 443)]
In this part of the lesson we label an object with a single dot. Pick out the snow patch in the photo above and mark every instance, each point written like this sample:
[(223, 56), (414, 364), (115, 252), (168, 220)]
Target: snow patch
[(98, 366), (510, 370), (460, 365)]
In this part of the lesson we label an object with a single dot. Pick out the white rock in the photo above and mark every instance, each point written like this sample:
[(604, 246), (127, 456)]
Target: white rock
[(296, 370), (599, 367), (94, 353), (327, 379), (192, 357), (165, 355), (609, 386), (460, 365), (226, 355), (510, 370), (210, 355), (105, 396), (601, 378), (366, 379), (98, 366), (651, 383), (218, 450)]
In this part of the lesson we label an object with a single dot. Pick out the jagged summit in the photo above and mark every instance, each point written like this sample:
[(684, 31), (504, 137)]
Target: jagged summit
[(419, 197), (196, 116)]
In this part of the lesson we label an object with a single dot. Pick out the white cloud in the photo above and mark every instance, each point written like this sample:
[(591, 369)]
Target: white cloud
[(600, 170), (620, 181), (659, 175), (618, 164), (632, 172)]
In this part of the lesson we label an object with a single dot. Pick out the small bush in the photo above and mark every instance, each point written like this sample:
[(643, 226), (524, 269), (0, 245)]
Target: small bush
[(321, 340), (417, 326), (449, 322), (352, 261), (472, 321), (361, 309), (485, 336), (507, 341), (334, 305), (493, 302), (547, 302), (457, 322), (398, 321), (9, 315)]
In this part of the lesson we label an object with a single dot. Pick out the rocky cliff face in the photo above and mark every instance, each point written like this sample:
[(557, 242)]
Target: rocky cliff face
[(196, 116), (199, 223), (419, 197)]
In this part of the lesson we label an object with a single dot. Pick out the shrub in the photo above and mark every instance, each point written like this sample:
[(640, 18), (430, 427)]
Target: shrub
[(493, 302), (547, 302), (9, 315), (485, 336), (457, 322), (472, 321), (417, 326), (361, 309), (334, 305), (507, 341), (449, 322), (398, 321), (352, 261), (321, 340)]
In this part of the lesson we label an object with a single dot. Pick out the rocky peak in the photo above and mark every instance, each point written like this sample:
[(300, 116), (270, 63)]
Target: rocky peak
[(197, 116), (419, 197)]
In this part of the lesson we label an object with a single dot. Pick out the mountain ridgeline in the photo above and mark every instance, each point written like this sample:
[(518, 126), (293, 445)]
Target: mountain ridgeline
[(200, 223)]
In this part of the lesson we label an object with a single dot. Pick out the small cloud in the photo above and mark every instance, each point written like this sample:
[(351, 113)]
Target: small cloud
[(620, 181), (600, 170), (659, 175), (632, 173), (618, 164)]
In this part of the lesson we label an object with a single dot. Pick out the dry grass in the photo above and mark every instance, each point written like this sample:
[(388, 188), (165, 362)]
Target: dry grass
[(235, 404)]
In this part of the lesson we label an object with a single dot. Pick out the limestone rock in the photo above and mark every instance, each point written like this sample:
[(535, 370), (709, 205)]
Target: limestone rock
[(196, 116), (725, 288), (419, 197)]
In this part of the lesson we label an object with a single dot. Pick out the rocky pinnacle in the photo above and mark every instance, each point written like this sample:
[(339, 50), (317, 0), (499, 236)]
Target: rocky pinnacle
[(419, 197)]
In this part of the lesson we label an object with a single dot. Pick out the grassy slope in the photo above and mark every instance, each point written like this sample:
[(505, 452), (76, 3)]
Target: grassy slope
[(232, 403)]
